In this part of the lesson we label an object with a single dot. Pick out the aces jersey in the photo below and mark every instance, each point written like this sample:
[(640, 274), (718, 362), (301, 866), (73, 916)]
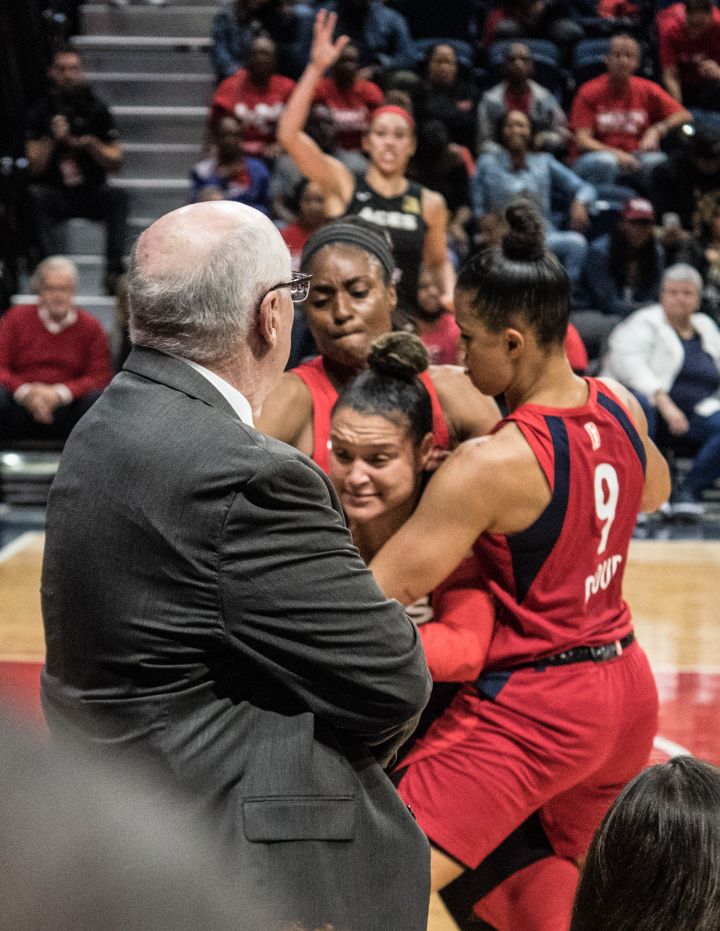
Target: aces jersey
[(558, 584)]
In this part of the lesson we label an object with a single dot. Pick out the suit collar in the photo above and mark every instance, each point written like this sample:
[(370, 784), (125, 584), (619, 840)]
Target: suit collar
[(164, 369)]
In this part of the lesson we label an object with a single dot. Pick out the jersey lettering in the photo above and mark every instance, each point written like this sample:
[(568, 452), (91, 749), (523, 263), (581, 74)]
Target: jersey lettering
[(604, 574), (392, 219)]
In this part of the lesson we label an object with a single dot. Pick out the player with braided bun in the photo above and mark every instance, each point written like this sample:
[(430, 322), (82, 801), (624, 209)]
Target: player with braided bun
[(382, 442), (511, 782)]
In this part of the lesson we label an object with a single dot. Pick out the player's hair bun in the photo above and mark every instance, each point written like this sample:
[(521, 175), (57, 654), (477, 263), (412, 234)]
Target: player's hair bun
[(399, 355), (525, 240)]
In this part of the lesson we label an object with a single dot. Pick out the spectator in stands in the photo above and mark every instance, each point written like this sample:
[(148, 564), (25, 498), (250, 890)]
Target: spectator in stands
[(519, 92), (447, 96), (309, 206), (415, 217), (255, 95), (702, 251), (233, 175), (72, 144), (237, 23), (514, 170), (620, 120), (286, 176), (54, 358), (381, 34), (436, 327), (689, 38), (679, 183), (622, 272), (439, 166), (539, 19), (655, 860), (349, 98), (668, 354)]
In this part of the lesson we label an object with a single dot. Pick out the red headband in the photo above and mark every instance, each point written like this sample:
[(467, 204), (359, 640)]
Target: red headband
[(398, 111)]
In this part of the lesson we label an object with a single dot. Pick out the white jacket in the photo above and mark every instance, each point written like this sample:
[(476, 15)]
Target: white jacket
[(646, 354)]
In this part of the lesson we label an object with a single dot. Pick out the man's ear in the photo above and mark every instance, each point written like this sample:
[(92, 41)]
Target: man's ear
[(269, 317)]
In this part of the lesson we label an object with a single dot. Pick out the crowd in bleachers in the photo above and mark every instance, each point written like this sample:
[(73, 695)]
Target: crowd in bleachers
[(607, 114)]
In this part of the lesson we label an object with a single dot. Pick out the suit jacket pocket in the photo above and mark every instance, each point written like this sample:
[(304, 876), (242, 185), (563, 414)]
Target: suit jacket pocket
[(299, 817)]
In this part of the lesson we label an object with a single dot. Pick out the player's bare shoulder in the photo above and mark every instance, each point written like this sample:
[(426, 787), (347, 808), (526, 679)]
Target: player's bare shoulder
[(504, 468), (287, 413)]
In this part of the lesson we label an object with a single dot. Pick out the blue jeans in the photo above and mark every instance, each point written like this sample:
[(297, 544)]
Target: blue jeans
[(571, 248), (603, 168)]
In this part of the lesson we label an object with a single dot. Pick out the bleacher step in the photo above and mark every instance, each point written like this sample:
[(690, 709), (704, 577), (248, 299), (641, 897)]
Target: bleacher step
[(146, 20), (118, 88)]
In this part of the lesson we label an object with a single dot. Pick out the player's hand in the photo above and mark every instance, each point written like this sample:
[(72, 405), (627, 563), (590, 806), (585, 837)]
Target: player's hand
[(325, 52)]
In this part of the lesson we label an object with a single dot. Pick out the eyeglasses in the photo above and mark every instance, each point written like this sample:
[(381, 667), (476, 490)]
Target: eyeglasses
[(299, 287)]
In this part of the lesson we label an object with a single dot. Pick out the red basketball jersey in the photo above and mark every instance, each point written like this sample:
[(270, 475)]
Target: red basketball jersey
[(324, 396), (558, 584)]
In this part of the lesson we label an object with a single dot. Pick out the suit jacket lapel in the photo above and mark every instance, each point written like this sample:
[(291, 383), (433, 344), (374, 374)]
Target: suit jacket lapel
[(166, 370)]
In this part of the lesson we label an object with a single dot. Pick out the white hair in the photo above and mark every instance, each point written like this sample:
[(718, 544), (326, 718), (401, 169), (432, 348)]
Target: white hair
[(204, 313), (682, 272), (51, 264)]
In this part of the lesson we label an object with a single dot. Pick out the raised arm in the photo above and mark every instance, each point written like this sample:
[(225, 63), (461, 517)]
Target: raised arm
[(435, 249), (325, 170), (468, 412)]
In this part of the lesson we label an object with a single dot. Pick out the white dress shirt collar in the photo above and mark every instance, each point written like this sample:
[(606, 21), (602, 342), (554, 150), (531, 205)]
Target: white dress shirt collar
[(236, 399)]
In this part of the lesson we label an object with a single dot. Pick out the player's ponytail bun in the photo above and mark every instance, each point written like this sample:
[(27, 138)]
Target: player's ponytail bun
[(520, 283), (391, 386), (525, 238), (398, 355)]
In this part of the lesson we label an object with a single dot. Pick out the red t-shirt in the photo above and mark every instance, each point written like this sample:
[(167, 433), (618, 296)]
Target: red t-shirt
[(441, 340), (558, 584), (678, 48), (77, 357), (257, 108), (351, 108), (620, 120)]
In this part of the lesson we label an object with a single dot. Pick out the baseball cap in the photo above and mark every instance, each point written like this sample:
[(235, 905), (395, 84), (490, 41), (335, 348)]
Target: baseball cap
[(637, 208)]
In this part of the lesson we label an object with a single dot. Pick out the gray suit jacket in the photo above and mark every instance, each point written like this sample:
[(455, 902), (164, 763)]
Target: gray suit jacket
[(203, 602)]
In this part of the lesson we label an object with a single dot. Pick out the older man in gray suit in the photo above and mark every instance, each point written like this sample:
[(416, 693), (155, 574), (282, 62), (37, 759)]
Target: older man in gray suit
[(203, 601)]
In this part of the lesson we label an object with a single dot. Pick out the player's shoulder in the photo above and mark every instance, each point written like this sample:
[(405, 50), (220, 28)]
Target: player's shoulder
[(287, 409)]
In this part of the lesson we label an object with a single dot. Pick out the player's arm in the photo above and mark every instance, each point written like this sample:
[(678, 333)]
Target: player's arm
[(657, 474), (467, 412), (435, 248), (286, 411), (457, 505), (334, 177)]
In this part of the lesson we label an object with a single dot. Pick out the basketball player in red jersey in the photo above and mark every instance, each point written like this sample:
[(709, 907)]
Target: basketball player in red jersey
[(565, 712), (351, 302)]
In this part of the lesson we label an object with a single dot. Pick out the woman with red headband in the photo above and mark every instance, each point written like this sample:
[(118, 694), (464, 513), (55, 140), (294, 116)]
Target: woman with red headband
[(415, 217)]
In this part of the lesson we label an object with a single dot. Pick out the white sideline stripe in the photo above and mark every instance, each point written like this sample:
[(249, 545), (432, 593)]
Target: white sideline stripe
[(19, 544), (670, 747)]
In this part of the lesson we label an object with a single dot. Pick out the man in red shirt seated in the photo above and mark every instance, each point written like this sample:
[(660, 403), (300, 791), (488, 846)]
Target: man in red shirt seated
[(689, 35), (54, 358), (620, 119), (256, 96)]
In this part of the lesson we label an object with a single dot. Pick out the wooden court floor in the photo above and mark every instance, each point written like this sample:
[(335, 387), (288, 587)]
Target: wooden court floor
[(673, 588)]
